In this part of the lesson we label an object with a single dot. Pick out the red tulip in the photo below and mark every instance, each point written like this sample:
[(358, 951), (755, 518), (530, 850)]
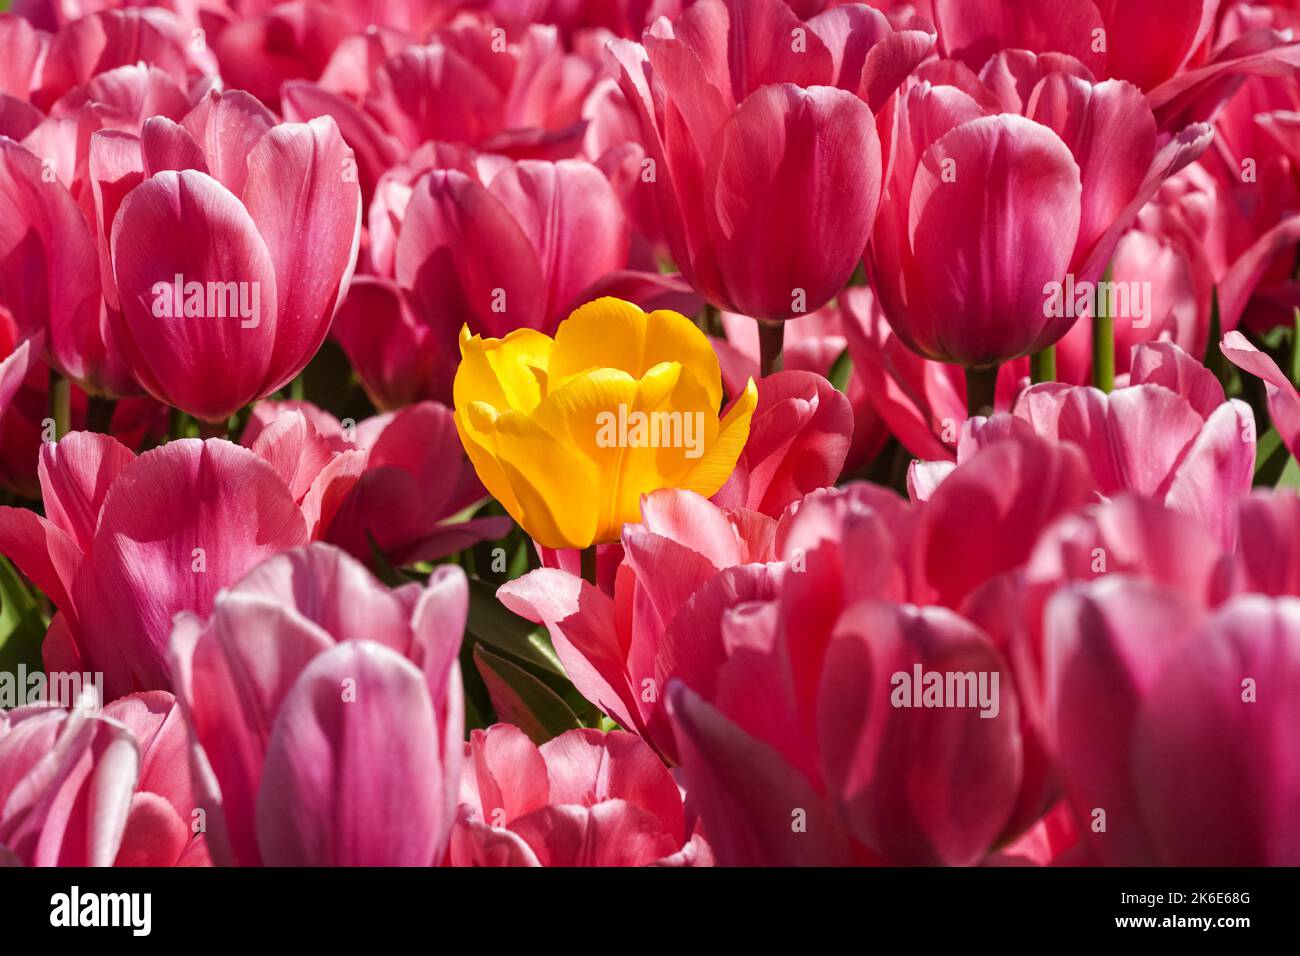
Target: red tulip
[(764, 155), (325, 713), (584, 798)]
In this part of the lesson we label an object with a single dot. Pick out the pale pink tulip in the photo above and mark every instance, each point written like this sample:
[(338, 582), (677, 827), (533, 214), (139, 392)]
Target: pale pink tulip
[(584, 798), (325, 713)]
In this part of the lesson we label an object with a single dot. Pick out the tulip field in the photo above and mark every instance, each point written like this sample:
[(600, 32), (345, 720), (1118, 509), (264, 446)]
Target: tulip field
[(625, 433)]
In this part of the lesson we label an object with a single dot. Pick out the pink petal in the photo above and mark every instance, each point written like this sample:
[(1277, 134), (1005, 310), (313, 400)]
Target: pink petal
[(180, 523), (187, 224), (76, 474), (353, 782), (307, 208), (992, 238), (776, 222)]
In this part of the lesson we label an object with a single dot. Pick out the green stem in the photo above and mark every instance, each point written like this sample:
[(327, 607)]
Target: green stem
[(1042, 366), (981, 390), (589, 564), (178, 424), (60, 404), (1295, 347), (298, 388), (771, 342), (1103, 342)]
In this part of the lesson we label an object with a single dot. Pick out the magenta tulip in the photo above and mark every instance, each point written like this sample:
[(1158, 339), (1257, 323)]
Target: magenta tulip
[(991, 217), (231, 255), (760, 133)]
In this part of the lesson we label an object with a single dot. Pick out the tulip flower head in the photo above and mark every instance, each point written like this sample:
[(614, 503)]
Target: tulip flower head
[(568, 433)]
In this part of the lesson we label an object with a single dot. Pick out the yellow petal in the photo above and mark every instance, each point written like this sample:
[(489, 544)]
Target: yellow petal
[(554, 489), (476, 425), (611, 333), (505, 373), (712, 471)]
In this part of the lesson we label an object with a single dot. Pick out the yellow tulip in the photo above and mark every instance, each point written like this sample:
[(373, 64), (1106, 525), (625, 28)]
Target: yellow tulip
[(568, 433)]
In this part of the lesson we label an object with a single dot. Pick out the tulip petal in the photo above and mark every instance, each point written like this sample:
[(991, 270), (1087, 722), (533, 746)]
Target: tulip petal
[(187, 224), (352, 774), (796, 179), (308, 210)]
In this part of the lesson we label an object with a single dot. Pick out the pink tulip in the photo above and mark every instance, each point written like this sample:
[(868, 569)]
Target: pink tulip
[(325, 713), (1170, 435), (922, 403), (517, 248), (1205, 234), (1167, 48), (1283, 399), (1176, 734), (264, 275), (766, 162), (49, 273), (520, 96), (128, 542), (397, 480), (82, 787), (163, 827), (625, 18), (1128, 535), (95, 44), (584, 798), (813, 343), (794, 747), (288, 41), (66, 785), (798, 441), (620, 651), (1004, 188)]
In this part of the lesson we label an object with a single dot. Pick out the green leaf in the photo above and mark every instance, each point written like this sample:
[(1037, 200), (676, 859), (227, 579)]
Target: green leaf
[(22, 623), (840, 371), (1290, 475), (521, 699), (506, 633), (1271, 457)]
